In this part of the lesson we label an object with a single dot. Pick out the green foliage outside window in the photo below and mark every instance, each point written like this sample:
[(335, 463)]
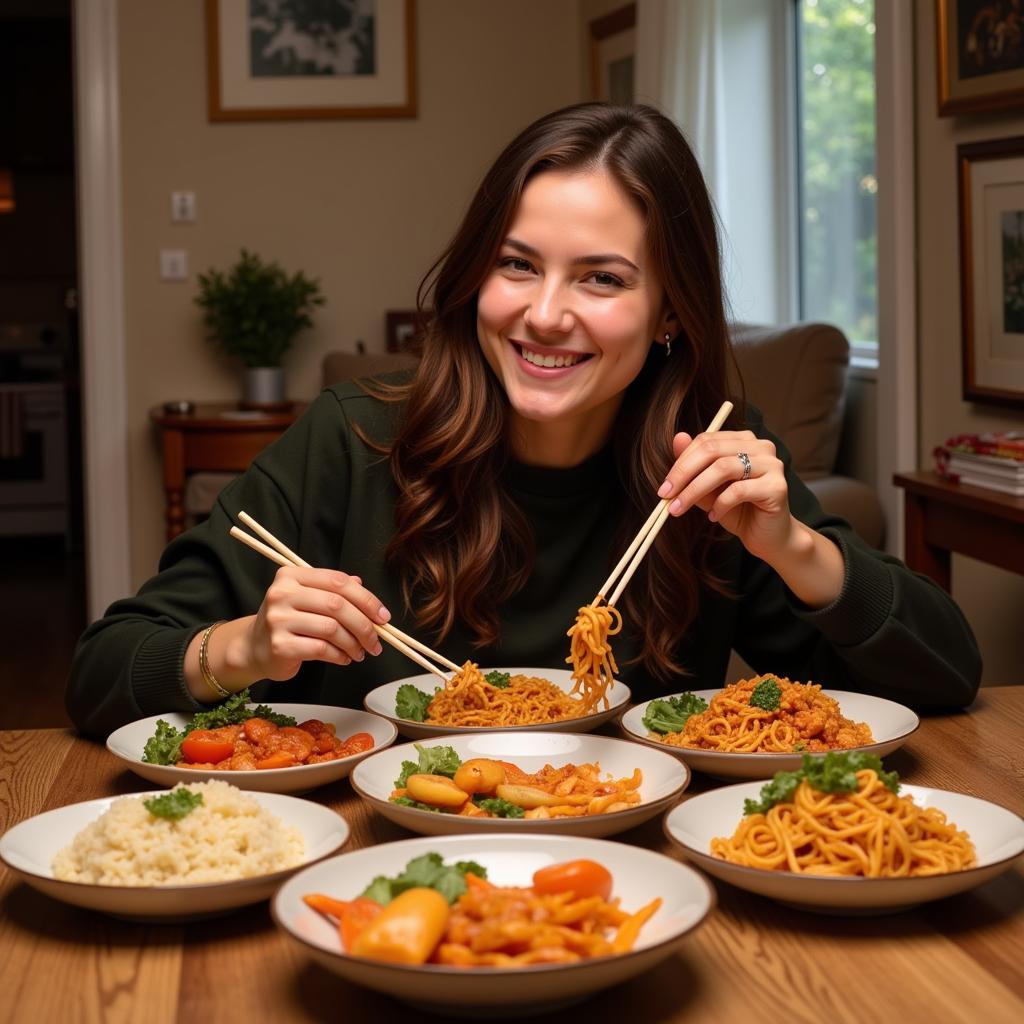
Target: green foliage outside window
[(839, 256)]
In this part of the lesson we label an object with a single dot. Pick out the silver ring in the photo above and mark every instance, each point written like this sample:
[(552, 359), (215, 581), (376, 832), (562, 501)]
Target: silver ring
[(745, 460)]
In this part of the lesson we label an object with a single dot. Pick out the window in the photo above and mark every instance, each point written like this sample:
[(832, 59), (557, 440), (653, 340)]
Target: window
[(837, 187)]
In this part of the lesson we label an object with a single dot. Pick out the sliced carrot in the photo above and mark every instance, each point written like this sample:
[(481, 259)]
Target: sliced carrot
[(476, 882)]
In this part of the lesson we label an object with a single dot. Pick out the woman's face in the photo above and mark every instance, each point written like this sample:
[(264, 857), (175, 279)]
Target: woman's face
[(568, 314)]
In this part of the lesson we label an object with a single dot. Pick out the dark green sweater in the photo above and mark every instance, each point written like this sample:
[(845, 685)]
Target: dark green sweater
[(331, 499)]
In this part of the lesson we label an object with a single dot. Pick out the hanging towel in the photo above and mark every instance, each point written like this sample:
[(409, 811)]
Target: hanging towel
[(12, 425)]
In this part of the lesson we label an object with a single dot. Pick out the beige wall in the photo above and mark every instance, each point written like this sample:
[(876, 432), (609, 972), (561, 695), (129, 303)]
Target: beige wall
[(363, 205), (992, 598)]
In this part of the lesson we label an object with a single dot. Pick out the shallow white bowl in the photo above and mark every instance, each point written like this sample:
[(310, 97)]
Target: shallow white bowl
[(381, 701), (664, 778), (29, 847), (997, 834), (639, 876), (128, 742), (891, 724)]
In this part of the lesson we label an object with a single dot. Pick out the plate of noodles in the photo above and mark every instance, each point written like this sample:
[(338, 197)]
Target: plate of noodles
[(170, 855), (843, 835), (269, 748), (756, 727), (548, 782), (622, 910), (524, 698)]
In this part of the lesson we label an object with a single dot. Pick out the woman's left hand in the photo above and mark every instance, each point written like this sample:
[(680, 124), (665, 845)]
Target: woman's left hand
[(710, 472)]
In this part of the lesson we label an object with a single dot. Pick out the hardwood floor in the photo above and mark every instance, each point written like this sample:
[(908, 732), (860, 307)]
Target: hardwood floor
[(42, 614)]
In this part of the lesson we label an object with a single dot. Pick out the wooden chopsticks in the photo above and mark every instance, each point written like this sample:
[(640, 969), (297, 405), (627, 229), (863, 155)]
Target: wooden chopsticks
[(278, 552), (642, 542)]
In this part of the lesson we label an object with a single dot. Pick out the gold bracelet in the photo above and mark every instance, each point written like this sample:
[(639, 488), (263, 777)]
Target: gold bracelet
[(204, 665)]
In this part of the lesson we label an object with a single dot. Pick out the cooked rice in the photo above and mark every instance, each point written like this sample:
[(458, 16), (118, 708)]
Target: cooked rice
[(228, 836)]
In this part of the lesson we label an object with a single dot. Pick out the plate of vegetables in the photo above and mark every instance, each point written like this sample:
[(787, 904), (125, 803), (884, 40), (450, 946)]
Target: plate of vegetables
[(549, 782), (276, 748), (661, 723), (486, 924), (406, 703)]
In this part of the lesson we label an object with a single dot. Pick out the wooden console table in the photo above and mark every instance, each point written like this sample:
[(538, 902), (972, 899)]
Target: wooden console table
[(215, 437), (941, 517)]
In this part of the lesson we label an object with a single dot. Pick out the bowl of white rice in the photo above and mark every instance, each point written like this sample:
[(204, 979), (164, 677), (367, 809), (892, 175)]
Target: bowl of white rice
[(116, 856)]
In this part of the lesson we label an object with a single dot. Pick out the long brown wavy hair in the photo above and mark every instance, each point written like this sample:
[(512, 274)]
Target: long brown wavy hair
[(461, 545)]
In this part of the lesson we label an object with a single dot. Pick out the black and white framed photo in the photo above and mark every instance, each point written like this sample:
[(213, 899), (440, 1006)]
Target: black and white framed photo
[(310, 59)]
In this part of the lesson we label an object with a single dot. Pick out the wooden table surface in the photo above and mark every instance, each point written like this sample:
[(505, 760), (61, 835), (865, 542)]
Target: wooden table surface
[(961, 959)]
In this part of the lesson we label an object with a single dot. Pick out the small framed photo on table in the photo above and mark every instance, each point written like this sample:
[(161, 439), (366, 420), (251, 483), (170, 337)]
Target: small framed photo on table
[(991, 192), (403, 330), (287, 60), (979, 55)]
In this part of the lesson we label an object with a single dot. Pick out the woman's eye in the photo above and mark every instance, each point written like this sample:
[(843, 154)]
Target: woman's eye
[(515, 263), (605, 280)]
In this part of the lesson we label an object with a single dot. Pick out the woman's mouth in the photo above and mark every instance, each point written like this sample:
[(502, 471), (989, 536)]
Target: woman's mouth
[(548, 363)]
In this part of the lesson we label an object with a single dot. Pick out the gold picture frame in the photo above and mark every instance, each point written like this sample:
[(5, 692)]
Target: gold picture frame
[(273, 62), (991, 200), (979, 56), (612, 55)]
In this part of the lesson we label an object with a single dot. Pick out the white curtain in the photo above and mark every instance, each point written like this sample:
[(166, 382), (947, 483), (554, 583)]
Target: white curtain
[(680, 70), (721, 69)]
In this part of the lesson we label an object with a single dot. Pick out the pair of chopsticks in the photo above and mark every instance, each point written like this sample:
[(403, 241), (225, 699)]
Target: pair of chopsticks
[(645, 537), (279, 552)]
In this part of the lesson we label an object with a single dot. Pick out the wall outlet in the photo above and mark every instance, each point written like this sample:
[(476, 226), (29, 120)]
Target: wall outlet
[(173, 265), (183, 207)]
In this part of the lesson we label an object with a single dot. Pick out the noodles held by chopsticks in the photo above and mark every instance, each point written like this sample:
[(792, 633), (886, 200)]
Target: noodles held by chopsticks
[(590, 653)]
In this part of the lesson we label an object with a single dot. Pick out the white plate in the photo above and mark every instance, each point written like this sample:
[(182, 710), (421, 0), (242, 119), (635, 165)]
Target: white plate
[(665, 778), (997, 834), (639, 876), (128, 742), (381, 701), (891, 724), (29, 847)]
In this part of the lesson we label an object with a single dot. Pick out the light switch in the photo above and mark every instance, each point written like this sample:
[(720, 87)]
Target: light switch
[(183, 207), (173, 265)]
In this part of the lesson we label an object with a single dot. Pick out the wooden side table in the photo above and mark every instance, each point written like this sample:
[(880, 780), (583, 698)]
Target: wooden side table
[(941, 517), (216, 437)]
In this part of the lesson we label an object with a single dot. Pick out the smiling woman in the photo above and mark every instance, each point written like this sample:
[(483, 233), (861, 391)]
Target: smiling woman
[(576, 346)]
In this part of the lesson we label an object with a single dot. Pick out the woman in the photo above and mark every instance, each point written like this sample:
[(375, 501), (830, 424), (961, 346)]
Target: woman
[(577, 348)]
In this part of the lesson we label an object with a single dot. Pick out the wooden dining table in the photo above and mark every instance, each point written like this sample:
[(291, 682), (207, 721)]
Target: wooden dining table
[(959, 959)]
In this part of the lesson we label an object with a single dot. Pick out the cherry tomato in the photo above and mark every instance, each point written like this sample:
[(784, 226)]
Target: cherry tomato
[(581, 877), (205, 746)]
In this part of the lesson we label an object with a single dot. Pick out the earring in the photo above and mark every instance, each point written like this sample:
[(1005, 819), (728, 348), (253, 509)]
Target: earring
[(668, 344)]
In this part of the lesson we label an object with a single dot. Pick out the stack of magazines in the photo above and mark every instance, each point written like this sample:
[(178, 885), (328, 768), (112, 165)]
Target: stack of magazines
[(994, 460)]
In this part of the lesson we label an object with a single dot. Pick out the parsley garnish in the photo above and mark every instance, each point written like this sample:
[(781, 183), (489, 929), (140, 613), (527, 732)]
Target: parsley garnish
[(499, 680), (174, 805), (767, 695), (836, 772), (429, 870), (670, 715)]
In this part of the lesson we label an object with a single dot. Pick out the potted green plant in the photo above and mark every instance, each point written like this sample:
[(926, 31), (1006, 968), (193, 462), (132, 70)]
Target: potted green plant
[(254, 312)]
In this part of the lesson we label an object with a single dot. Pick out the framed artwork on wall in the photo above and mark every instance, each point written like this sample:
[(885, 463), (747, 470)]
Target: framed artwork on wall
[(991, 190), (612, 55), (287, 60), (980, 55)]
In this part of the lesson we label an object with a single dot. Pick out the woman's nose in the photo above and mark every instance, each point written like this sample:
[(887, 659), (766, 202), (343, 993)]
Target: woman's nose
[(548, 311)]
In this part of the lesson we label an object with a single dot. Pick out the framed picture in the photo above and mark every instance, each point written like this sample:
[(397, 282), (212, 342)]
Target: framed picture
[(612, 55), (285, 60), (403, 330), (980, 55), (991, 178)]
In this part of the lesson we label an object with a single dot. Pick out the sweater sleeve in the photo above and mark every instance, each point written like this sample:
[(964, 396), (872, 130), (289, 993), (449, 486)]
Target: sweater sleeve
[(129, 664), (890, 632)]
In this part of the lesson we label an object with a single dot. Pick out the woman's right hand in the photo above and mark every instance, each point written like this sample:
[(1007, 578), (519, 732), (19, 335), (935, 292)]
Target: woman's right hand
[(313, 615)]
